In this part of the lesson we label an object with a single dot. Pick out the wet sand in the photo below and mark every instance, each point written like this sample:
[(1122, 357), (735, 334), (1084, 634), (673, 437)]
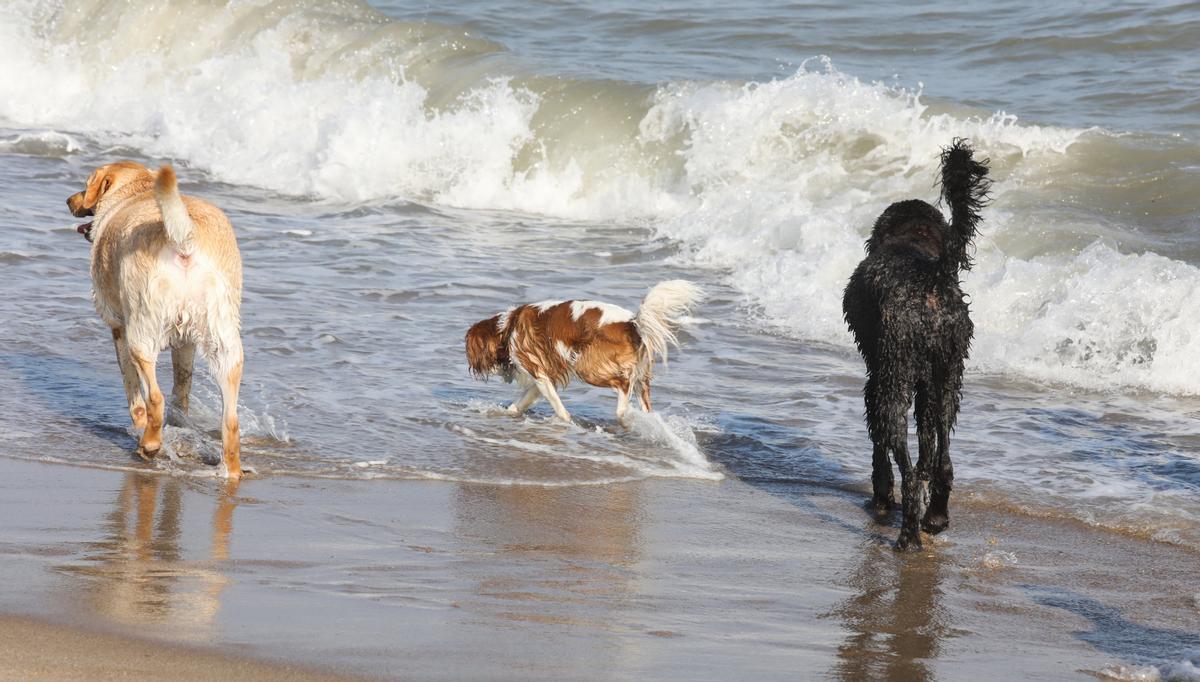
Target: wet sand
[(660, 579), (37, 650)]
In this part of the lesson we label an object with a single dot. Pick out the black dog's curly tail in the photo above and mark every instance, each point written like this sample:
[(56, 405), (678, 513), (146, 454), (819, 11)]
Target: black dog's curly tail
[(965, 188)]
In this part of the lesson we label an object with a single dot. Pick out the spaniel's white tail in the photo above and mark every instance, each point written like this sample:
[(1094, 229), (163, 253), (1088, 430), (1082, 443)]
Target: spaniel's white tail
[(659, 316), (180, 228)]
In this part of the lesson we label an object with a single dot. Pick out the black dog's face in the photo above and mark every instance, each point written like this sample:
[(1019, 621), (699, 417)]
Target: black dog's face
[(910, 227)]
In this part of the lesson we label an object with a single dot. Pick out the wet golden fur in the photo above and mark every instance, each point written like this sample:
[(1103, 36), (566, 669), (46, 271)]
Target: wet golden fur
[(155, 288)]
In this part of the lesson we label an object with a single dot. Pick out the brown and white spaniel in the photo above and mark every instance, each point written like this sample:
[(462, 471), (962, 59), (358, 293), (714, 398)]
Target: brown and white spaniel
[(542, 345)]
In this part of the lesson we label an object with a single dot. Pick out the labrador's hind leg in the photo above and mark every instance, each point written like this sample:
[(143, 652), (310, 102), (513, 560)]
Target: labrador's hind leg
[(183, 361), (227, 365), (144, 361), (129, 377)]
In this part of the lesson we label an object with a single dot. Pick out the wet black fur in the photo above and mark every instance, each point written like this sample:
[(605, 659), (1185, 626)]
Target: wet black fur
[(905, 307)]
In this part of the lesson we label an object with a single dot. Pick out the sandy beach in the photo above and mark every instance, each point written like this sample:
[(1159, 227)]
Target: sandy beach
[(658, 579), (38, 650), (397, 171)]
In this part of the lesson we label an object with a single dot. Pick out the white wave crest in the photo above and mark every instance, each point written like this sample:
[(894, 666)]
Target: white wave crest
[(775, 184), (790, 175)]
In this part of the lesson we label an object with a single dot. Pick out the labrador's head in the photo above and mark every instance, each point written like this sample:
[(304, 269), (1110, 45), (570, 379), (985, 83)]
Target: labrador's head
[(103, 180)]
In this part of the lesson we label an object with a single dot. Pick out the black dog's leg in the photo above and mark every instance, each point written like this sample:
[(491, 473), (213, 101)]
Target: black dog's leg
[(910, 487), (937, 519), (929, 420), (882, 499)]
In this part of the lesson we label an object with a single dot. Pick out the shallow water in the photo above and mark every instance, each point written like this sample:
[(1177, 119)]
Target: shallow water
[(396, 175)]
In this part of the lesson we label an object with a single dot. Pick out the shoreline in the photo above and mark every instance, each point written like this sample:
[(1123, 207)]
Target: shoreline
[(661, 578)]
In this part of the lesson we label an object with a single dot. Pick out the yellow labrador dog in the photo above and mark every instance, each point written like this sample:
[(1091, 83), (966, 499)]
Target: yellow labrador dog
[(165, 271)]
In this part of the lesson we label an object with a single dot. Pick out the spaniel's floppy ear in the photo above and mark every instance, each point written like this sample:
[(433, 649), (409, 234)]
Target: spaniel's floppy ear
[(483, 347)]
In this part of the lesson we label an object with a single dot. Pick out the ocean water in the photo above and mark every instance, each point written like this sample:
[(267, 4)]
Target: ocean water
[(396, 173)]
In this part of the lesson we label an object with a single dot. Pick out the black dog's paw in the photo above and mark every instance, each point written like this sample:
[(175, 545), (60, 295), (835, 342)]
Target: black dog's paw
[(935, 523), (909, 541), (880, 508)]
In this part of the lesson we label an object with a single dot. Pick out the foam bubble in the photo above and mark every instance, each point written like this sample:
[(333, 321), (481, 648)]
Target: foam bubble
[(998, 559)]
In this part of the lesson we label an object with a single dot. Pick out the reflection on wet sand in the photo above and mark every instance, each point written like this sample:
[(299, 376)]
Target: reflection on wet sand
[(139, 573), (560, 555), (895, 622)]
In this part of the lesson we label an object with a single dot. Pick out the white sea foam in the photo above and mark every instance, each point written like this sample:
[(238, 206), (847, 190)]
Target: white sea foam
[(256, 412), (675, 433), (675, 452), (1184, 670), (773, 183), (45, 143), (790, 175), (998, 559)]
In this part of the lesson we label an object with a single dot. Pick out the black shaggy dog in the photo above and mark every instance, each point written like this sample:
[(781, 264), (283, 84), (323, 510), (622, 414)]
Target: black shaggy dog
[(906, 310)]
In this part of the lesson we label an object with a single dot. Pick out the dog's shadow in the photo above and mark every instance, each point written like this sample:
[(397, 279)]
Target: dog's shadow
[(1114, 634), (74, 392), (775, 459)]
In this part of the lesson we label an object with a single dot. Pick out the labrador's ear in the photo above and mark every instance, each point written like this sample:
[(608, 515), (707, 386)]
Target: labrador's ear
[(97, 185)]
